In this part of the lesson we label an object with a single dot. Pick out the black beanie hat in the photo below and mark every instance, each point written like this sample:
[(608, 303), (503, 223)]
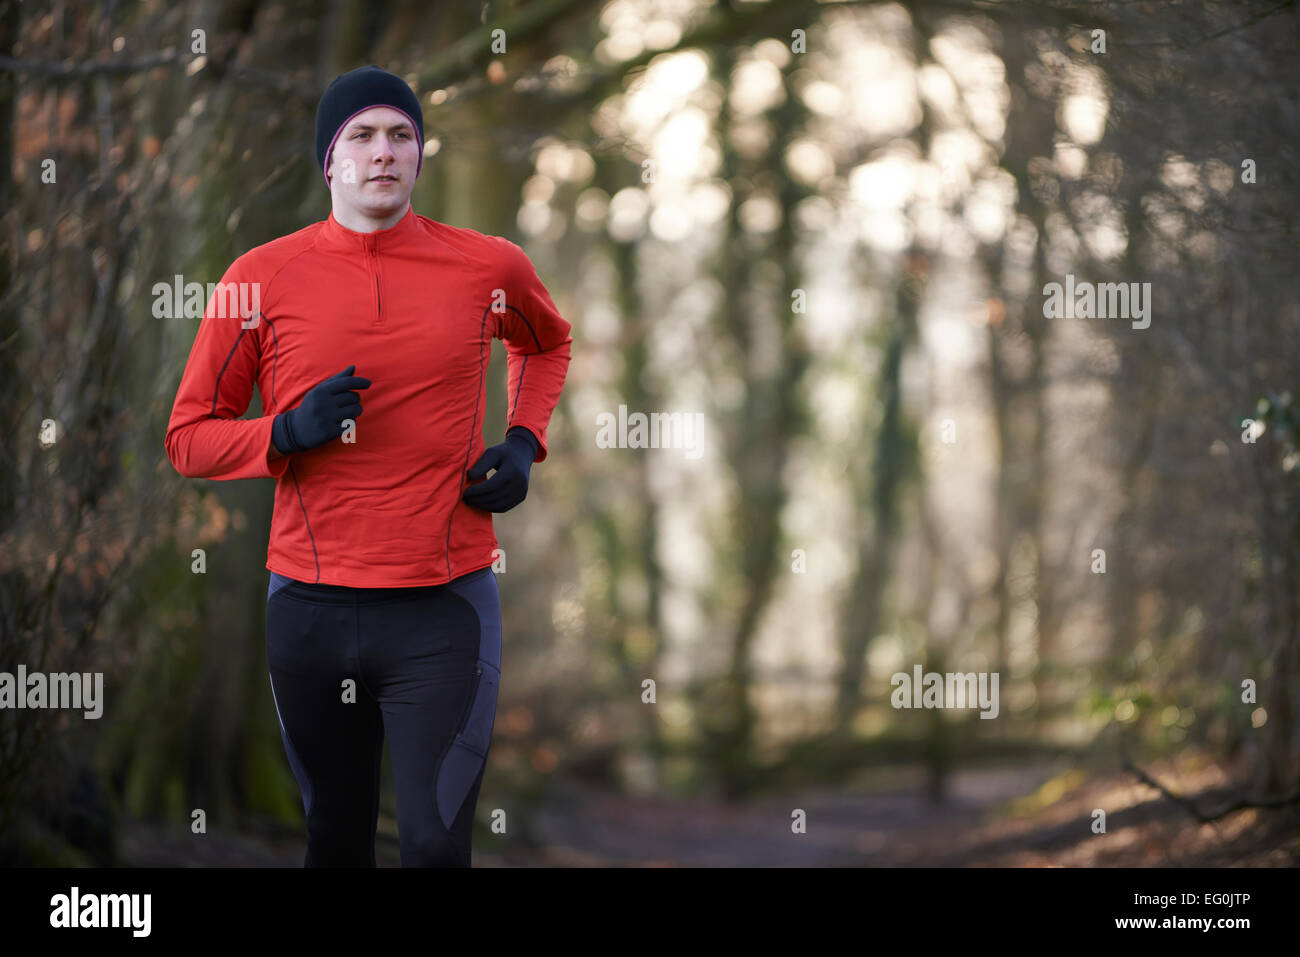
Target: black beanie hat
[(355, 92)]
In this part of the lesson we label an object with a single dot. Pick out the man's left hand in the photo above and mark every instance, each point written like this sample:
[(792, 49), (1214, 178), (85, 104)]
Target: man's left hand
[(512, 459)]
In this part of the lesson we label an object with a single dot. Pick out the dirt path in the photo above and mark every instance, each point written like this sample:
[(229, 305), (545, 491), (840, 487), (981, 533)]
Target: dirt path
[(1007, 817), (1014, 816)]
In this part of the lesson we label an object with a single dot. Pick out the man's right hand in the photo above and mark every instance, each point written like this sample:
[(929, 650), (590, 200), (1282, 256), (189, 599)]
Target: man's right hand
[(319, 417)]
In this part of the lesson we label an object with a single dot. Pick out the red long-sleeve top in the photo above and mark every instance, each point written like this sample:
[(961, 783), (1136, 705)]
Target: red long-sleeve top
[(414, 307)]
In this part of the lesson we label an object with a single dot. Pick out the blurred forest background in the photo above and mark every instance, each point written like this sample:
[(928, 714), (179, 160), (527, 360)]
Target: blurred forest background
[(828, 228)]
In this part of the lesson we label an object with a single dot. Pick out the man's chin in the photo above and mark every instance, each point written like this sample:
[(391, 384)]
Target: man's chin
[(382, 205)]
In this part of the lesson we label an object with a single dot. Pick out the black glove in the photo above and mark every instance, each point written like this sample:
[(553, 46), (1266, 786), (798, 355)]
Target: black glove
[(512, 460), (318, 418)]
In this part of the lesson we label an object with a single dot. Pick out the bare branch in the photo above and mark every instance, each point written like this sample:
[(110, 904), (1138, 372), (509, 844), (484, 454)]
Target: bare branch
[(66, 69), (1236, 804)]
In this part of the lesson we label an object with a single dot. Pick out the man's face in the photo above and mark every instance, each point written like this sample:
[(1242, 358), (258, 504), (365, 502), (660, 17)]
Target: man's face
[(373, 163)]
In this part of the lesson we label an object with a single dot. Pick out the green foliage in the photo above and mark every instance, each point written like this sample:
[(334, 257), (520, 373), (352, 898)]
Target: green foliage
[(269, 786)]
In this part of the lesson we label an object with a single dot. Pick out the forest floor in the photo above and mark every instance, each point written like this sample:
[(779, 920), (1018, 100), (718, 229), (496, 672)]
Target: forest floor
[(1022, 816)]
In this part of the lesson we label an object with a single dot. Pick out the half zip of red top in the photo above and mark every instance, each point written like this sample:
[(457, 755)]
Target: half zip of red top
[(379, 301)]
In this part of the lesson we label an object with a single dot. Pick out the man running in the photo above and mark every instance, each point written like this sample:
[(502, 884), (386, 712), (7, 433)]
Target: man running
[(383, 618)]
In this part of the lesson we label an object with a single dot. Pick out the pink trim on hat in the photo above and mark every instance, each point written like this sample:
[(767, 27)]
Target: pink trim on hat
[(415, 128)]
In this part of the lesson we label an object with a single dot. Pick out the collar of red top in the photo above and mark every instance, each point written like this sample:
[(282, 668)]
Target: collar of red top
[(337, 236)]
